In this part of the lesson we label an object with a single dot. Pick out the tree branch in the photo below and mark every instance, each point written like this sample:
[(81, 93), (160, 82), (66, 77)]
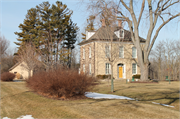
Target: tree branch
[(157, 32), (142, 9), (125, 5)]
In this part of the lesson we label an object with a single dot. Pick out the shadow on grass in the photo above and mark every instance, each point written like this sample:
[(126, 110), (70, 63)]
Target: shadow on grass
[(15, 94)]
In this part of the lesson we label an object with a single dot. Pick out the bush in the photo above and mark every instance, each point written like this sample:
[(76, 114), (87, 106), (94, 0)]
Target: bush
[(137, 76), (61, 83), (103, 76), (7, 76)]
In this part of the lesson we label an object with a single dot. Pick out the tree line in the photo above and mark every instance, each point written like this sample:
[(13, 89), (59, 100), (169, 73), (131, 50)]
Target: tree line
[(165, 60)]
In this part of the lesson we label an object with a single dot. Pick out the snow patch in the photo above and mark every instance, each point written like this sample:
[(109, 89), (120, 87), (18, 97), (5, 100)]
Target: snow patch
[(22, 117), (105, 96), (162, 104)]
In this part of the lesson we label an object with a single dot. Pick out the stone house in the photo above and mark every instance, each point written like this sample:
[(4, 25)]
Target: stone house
[(108, 46)]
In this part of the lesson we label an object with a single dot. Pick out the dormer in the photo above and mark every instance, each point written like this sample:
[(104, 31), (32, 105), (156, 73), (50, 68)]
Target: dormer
[(120, 33), (89, 34)]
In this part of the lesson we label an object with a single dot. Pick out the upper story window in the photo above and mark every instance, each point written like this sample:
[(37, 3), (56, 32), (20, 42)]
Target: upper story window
[(108, 68), (134, 52), (134, 68), (121, 52), (84, 68), (121, 33), (89, 52), (83, 53), (107, 51)]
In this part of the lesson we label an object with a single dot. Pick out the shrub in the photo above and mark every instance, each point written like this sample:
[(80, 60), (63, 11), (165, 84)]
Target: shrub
[(7, 76), (61, 83), (103, 76), (137, 76)]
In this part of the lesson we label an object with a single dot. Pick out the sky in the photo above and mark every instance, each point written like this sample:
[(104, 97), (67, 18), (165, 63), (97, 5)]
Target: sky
[(12, 13)]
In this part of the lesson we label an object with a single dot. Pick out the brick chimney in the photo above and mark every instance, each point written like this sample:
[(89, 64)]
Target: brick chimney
[(120, 24), (103, 22)]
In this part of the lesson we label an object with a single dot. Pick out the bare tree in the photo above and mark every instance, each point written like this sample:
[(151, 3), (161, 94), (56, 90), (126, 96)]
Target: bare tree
[(30, 56), (4, 44), (126, 10), (165, 60)]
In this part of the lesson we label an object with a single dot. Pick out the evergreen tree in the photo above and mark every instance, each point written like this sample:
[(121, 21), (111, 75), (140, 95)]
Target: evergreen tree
[(90, 26), (46, 27), (29, 29)]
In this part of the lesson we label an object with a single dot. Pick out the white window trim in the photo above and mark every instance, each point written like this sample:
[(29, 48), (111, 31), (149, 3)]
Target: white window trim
[(89, 52), (109, 69), (108, 50), (132, 52), (90, 69), (84, 69), (83, 53), (122, 53), (132, 69)]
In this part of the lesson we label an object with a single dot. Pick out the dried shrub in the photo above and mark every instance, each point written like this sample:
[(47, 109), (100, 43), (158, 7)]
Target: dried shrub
[(61, 83), (103, 76), (7, 76)]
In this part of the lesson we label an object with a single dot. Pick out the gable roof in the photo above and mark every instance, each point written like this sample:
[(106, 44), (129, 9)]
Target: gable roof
[(107, 33), (15, 66)]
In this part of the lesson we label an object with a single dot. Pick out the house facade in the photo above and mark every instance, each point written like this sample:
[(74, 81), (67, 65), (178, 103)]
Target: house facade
[(20, 68), (109, 46)]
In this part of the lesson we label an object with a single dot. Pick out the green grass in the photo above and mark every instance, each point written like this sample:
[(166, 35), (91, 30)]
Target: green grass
[(17, 100)]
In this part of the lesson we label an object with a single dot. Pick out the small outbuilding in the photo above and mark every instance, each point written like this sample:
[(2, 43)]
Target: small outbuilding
[(21, 69)]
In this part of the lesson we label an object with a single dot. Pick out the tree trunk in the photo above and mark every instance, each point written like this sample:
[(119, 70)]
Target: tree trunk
[(112, 84), (29, 74), (144, 72)]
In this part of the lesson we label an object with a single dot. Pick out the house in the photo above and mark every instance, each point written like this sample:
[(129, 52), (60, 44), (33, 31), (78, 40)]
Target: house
[(21, 68), (109, 44)]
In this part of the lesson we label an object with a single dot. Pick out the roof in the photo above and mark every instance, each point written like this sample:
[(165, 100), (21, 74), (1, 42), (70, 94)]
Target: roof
[(15, 66), (107, 33)]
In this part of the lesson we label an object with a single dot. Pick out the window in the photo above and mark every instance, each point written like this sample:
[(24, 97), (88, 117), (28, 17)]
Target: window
[(83, 53), (108, 68), (83, 68), (121, 52), (107, 51), (89, 52), (89, 68), (121, 33), (134, 68), (133, 52)]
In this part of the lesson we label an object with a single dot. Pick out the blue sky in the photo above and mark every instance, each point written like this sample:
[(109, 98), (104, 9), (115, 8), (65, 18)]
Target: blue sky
[(13, 13)]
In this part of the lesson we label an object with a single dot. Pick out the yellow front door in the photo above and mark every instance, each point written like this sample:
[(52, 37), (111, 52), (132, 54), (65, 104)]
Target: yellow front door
[(120, 72)]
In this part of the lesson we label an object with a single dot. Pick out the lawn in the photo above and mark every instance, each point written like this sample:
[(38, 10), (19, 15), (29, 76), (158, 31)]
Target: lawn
[(17, 100)]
